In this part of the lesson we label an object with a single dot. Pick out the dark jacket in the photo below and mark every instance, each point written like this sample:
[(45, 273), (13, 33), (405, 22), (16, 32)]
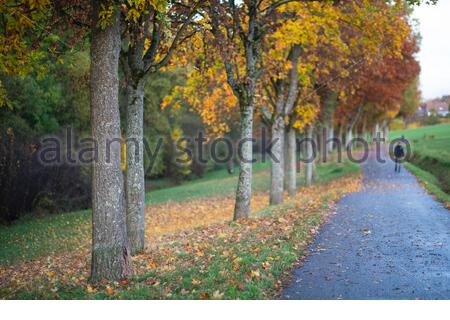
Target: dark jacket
[(398, 151)]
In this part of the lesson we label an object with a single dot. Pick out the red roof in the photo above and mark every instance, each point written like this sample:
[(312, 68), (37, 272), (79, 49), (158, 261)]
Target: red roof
[(436, 106)]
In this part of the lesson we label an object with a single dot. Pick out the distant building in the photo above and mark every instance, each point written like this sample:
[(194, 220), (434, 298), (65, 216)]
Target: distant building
[(436, 107)]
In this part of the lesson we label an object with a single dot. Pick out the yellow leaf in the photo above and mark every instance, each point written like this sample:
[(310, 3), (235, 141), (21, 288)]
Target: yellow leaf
[(255, 273)]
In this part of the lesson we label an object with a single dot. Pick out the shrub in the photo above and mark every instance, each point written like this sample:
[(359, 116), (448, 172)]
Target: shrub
[(26, 186)]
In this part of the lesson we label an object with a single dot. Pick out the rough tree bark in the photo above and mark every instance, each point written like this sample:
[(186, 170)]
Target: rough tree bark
[(244, 84), (244, 189), (286, 96), (135, 173), (140, 57), (133, 64), (246, 92), (290, 162), (243, 87), (110, 251)]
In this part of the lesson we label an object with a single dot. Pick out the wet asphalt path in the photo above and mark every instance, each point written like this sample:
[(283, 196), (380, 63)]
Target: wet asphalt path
[(391, 240)]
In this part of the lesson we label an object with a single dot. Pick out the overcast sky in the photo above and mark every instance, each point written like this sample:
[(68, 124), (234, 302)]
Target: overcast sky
[(434, 55)]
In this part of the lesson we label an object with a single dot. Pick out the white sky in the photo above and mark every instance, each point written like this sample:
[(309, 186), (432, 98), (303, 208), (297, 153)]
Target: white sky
[(434, 55)]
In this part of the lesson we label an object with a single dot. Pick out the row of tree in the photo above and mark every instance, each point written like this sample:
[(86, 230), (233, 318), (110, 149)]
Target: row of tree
[(292, 64), (323, 69)]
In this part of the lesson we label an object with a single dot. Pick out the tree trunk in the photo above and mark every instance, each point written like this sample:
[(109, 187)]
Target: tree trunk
[(290, 162), (349, 137), (277, 169), (110, 251), (301, 153), (315, 176), (330, 131), (364, 129), (352, 125), (135, 181), (319, 143), (230, 166), (325, 142), (341, 135), (309, 155), (376, 130), (242, 206), (385, 130)]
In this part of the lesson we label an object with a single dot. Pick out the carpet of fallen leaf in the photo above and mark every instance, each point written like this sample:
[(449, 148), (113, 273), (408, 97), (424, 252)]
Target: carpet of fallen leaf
[(198, 231), (171, 217)]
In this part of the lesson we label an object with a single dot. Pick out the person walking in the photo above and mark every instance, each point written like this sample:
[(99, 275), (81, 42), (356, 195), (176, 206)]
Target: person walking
[(399, 153)]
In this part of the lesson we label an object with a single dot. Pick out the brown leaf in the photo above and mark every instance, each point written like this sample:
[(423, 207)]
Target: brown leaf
[(109, 291)]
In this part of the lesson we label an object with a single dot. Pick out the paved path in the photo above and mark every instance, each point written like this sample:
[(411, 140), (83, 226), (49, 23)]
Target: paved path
[(389, 241)]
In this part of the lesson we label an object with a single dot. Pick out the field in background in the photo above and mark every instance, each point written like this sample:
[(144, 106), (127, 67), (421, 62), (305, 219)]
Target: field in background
[(431, 140)]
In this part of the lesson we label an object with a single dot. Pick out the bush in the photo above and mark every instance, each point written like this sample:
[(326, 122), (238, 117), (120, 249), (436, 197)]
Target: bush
[(397, 124), (413, 125), (432, 120), (26, 186)]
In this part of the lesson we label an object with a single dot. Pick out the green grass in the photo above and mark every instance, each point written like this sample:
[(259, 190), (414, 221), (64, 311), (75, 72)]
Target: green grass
[(430, 182), (221, 183), (330, 171), (433, 141), (40, 236), (431, 156), (214, 183), (236, 283), (65, 232)]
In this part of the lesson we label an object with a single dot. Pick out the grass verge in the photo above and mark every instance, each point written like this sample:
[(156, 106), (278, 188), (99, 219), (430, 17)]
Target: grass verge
[(430, 182), (49, 235), (247, 259), (430, 160)]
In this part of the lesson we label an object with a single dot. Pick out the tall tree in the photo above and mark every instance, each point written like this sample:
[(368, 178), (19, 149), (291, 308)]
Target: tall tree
[(285, 94), (380, 85), (152, 32), (324, 65), (30, 20), (110, 250), (411, 99), (238, 28), (291, 62)]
